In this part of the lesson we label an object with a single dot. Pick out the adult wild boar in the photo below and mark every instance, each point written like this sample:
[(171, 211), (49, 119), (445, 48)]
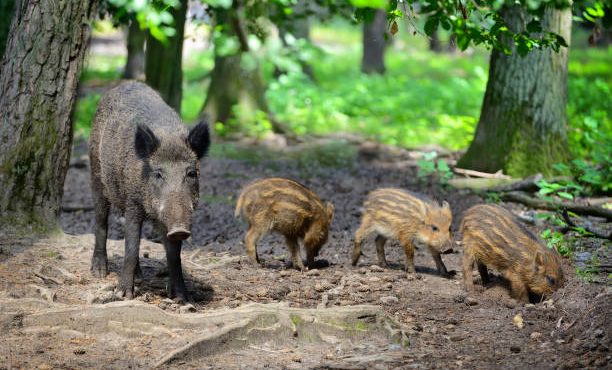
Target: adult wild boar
[(146, 163)]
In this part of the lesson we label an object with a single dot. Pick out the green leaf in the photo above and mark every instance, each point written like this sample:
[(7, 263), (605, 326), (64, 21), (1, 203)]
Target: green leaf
[(565, 195), (431, 25), (534, 26), (377, 4)]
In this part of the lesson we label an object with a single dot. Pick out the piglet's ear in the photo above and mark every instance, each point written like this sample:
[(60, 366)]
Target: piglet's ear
[(145, 142), (445, 205), (199, 139), (538, 261)]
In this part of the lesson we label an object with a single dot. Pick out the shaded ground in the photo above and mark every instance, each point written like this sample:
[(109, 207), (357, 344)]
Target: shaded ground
[(54, 314)]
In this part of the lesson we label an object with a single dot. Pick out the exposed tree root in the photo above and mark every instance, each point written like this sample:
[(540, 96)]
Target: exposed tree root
[(521, 197)]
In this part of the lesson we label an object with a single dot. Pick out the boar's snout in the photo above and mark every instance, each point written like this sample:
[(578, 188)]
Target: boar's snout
[(178, 233)]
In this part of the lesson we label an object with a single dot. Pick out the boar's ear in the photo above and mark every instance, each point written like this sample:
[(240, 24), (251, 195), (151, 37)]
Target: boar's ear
[(538, 261), (199, 139), (145, 142), (445, 205), (329, 208)]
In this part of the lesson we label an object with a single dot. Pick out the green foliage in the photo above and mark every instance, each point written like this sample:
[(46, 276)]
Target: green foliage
[(556, 240), (428, 166), (83, 114), (153, 15), (562, 189)]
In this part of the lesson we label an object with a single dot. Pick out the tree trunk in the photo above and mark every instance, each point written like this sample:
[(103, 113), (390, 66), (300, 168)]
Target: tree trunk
[(6, 16), (40, 71), (434, 42), (373, 60), (134, 66), (163, 63), (523, 122), (231, 84)]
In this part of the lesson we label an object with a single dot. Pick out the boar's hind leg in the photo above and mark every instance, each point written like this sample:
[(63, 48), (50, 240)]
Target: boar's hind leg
[(468, 265), (99, 260), (294, 249), (250, 241), (176, 285), (133, 225), (484, 273), (380, 251)]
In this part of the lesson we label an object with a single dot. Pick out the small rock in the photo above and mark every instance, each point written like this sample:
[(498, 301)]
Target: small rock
[(285, 273), (363, 288), (390, 299), (376, 268), (456, 337), (517, 320), (449, 326), (363, 270), (186, 308), (459, 298), (313, 273), (515, 349), (261, 292), (373, 279), (387, 286), (470, 301), (535, 335)]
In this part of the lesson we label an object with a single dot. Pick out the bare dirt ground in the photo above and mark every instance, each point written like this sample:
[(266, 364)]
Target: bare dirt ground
[(55, 314)]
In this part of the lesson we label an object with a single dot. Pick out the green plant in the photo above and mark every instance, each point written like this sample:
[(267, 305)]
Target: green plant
[(428, 166), (556, 240), (587, 270), (562, 189)]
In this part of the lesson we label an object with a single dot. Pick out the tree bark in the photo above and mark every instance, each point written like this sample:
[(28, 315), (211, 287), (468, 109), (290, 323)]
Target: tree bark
[(6, 16), (40, 71), (373, 60), (523, 122), (134, 66), (163, 63), (231, 84)]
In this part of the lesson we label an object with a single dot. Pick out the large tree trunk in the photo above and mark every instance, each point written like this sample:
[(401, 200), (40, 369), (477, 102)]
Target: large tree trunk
[(523, 123), (231, 84), (373, 60), (38, 83), (163, 63), (6, 16), (134, 66)]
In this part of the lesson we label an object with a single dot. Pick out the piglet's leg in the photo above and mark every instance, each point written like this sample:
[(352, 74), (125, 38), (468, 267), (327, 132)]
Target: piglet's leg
[(519, 289), (380, 251), (439, 264), (250, 241), (294, 249)]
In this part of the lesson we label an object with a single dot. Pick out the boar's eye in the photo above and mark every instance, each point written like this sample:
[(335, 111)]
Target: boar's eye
[(157, 174), (551, 280), (434, 228), (192, 173)]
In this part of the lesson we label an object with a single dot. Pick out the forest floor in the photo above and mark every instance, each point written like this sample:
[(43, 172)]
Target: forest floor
[(55, 314)]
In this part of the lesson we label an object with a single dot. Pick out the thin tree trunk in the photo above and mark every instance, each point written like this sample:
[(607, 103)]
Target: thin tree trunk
[(373, 60), (434, 42), (231, 84), (523, 122), (40, 71), (163, 63), (6, 16), (134, 66)]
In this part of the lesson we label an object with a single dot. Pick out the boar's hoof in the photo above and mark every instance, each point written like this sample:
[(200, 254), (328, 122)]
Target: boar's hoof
[(99, 266), (125, 292), (178, 233)]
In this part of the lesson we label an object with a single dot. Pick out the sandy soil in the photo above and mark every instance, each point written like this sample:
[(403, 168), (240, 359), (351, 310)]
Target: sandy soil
[(55, 314)]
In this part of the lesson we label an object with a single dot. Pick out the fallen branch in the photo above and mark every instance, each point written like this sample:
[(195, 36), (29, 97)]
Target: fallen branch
[(521, 197), (587, 227), (496, 175), (529, 184)]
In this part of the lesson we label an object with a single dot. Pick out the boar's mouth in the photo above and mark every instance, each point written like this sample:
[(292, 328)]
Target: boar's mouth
[(178, 233)]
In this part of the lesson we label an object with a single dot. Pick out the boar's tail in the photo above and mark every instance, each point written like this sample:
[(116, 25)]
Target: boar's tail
[(239, 205)]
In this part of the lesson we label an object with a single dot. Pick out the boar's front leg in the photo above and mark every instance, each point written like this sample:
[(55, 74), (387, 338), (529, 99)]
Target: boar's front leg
[(439, 264), (99, 260), (176, 285), (133, 225)]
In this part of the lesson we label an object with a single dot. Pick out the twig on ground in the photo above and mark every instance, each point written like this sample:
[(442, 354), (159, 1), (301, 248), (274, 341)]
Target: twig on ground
[(589, 228), (497, 175), (521, 197)]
